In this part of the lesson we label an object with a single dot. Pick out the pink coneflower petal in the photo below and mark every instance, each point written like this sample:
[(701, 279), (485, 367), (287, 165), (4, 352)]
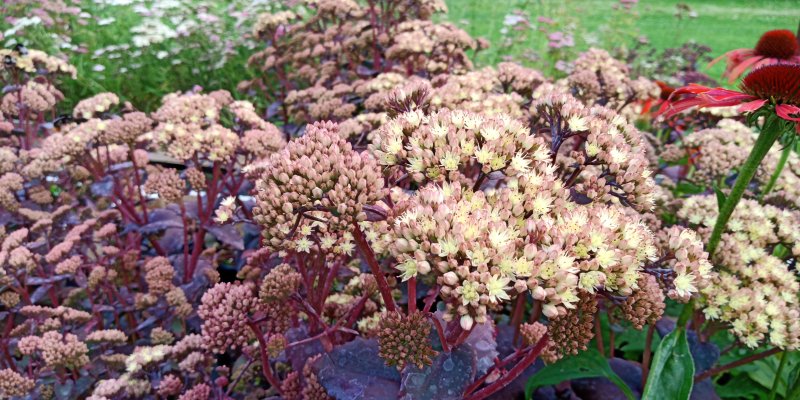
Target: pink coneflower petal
[(744, 66), (752, 105), (785, 110)]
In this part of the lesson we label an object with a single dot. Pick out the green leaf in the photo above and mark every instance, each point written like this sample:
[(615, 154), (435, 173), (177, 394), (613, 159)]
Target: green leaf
[(741, 387), (672, 372), (793, 391), (720, 197), (684, 187), (587, 364)]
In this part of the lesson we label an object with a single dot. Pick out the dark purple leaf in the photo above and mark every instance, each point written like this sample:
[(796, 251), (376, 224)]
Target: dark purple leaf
[(445, 379), (298, 355), (273, 109), (227, 234), (148, 322), (483, 343), (355, 371), (160, 220), (599, 388), (102, 188), (34, 280), (39, 293), (172, 241)]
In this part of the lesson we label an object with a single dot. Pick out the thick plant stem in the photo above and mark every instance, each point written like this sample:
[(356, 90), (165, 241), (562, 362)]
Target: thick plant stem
[(778, 374), (372, 262), (771, 132), (777, 173)]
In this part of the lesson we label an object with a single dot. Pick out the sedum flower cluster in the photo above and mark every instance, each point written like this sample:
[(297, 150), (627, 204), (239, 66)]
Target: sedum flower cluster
[(755, 291)]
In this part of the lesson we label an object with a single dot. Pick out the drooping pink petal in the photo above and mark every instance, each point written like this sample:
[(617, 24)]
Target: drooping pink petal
[(737, 71), (720, 95), (671, 108), (785, 111), (751, 105)]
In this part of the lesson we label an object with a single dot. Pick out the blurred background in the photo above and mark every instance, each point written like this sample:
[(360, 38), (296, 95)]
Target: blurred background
[(142, 49)]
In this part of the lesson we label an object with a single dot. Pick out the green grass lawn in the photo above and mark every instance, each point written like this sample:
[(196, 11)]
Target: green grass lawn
[(721, 24)]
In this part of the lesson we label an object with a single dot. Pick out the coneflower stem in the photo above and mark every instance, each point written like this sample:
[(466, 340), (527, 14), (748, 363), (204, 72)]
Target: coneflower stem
[(778, 169), (769, 134), (778, 374)]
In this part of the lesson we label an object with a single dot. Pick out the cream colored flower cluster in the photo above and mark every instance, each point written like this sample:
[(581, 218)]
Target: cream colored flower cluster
[(189, 126), (458, 146), (35, 61), (717, 152), (756, 290), (320, 179), (485, 247)]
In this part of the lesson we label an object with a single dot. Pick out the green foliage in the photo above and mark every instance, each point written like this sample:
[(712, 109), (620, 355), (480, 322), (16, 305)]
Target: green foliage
[(672, 372), (721, 24), (755, 380), (587, 364)]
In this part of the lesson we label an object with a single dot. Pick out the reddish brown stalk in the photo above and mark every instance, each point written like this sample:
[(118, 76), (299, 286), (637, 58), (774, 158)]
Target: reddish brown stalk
[(598, 334), (265, 366), (430, 299), (369, 257), (412, 295), (648, 343), (755, 357), (440, 332), (185, 236), (518, 315), (462, 337), (138, 186), (513, 373)]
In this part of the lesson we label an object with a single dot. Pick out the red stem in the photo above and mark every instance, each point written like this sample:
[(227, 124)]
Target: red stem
[(440, 331), (369, 257), (262, 349), (412, 295), (713, 371), (513, 373)]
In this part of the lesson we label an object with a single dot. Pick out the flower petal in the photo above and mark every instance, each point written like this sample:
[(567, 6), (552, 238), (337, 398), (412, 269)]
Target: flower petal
[(738, 70), (751, 105), (784, 111)]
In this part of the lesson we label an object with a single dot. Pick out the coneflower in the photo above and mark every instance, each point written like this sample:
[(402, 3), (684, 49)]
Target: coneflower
[(771, 91), (775, 46)]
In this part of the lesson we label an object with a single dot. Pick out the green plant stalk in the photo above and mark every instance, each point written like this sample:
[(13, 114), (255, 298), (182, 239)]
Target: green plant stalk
[(777, 173), (778, 374), (770, 133)]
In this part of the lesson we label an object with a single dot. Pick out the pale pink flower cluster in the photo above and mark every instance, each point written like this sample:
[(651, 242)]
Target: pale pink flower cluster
[(56, 349), (598, 78), (188, 127), (225, 311), (319, 175), (95, 105)]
